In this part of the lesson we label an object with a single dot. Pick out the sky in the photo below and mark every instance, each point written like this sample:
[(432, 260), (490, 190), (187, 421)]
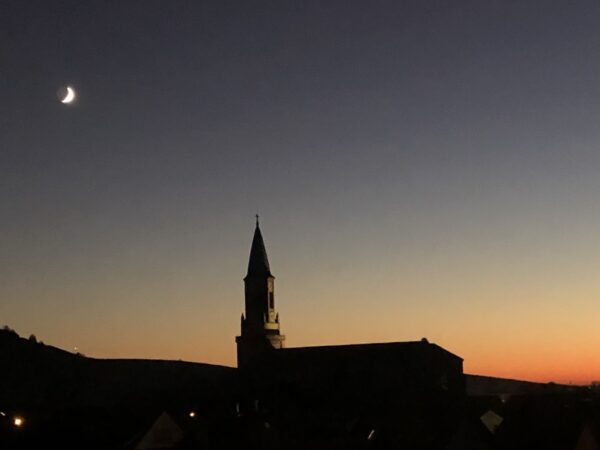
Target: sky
[(422, 168)]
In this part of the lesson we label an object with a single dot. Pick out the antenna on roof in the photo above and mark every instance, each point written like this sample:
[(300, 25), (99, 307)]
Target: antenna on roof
[(256, 219)]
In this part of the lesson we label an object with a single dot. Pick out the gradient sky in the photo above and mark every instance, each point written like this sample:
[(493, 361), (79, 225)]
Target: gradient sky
[(422, 168)]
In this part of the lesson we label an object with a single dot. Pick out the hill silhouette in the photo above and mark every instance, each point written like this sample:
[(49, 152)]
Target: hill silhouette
[(71, 399), (35, 374)]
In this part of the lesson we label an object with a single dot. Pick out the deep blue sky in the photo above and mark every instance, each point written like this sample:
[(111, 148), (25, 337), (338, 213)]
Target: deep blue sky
[(421, 167)]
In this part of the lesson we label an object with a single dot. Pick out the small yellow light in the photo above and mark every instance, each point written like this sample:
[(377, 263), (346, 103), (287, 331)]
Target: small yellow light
[(192, 414), (18, 421)]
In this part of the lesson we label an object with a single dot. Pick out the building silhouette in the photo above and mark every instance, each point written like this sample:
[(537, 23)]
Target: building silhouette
[(260, 323), (317, 395)]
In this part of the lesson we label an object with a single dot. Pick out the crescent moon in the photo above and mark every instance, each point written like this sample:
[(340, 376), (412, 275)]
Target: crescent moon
[(69, 97)]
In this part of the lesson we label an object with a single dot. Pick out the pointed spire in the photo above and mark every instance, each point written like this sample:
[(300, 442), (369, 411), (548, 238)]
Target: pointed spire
[(259, 263)]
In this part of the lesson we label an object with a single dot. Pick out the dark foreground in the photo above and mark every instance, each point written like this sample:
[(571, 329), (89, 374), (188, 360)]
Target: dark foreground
[(334, 400)]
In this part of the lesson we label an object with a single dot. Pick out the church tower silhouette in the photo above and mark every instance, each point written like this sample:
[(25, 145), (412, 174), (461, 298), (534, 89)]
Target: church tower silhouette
[(260, 324)]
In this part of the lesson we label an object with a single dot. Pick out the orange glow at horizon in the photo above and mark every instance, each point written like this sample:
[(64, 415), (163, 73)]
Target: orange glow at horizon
[(535, 320)]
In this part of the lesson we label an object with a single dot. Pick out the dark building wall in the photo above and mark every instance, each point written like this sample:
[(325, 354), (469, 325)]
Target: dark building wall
[(411, 365), (407, 389)]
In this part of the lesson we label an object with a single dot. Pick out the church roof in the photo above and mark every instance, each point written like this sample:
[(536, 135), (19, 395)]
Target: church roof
[(353, 350), (259, 262)]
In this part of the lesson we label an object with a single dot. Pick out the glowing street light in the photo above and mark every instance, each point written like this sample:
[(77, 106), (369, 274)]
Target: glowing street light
[(192, 414), (18, 421)]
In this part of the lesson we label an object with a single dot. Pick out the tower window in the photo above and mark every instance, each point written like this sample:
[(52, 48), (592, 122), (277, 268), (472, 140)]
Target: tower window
[(271, 300)]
